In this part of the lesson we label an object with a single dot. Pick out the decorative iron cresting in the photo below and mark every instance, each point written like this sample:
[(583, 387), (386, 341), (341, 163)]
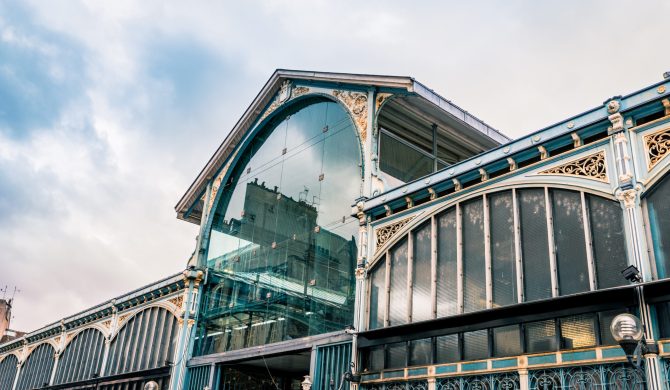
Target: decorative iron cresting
[(411, 385), (384, 234), (607, 376), (591, 167), (503, 381), (657, 146)]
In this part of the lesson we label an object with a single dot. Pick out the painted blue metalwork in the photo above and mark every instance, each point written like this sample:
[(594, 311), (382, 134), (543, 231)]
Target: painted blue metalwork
[(8, 368), (666, 372), (606, 376), (504, 363), (198, 377), (332, 361), (578, 355), (36, 371), (503, 381), (410, 385)]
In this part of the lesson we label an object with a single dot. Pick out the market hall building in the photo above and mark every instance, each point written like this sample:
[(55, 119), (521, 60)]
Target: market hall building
[(468, 260)]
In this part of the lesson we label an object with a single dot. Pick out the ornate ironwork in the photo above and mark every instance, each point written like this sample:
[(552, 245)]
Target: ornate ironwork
[(385, 233), (611, 377), (503, 381), (590, 167), (357, 103), (658, 146), (666, 371), (411, 385)]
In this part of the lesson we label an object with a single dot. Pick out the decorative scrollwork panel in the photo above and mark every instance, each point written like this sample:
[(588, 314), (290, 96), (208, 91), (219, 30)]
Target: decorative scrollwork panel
[(611, 377), (385, 233), (657, 146), (504, 381), (411, 385), (591, 167)]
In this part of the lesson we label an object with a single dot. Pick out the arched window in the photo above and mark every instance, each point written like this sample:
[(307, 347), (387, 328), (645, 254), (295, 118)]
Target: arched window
[(82, 357), (146, 341), (36, 371), (499, 249), (282, 248), (658, 208), (8, 368)]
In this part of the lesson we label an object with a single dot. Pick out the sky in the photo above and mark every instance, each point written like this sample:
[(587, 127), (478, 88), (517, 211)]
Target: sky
[(109, 109)]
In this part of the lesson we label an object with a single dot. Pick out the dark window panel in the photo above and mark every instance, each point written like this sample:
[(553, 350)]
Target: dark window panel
[(398, 289), (573, 271), (401, 161), (474, 265), (609, 241), (396, 355), (420, 352), (541, 336), (507, 341), (578, 331), (422, 300), (663, 313), (502, 249), (659, 224), (476, 345), (535, 250), (377, 295), (374, 358), (446, 349), (447, 252), (605, 320)]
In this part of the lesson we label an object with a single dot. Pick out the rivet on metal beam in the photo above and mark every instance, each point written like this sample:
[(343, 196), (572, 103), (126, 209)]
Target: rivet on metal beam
[(576, 140), (543, 152), (666, 104), (432, 193), (512, 164), (484, 174), (457, 185), (409, 201), (388, 210)]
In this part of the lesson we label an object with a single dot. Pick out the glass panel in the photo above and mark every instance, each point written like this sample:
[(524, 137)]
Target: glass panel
[(507, 341), (420, 352), (422, 300), (541, 336), (659, 221), (537, 285), (398, 289), (396, 355), (663, 313), (446, 348), (375, 358), (402, 162), (474, 265), (502, 249), (573, 271), (377, 295), (609, 241), (274, 275), (605, 320), (476, 345), (447, 250), (578, 331)]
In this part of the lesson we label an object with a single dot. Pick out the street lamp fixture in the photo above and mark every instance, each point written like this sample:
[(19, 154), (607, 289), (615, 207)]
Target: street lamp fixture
[(628, 332)]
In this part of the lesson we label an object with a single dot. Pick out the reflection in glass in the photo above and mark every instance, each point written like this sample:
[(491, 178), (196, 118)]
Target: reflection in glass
[(578, 331), (446, 349), (377, 295), (541, 336), (476, 345), (396, 355), (507, 341), (282, 246), (420, 352)]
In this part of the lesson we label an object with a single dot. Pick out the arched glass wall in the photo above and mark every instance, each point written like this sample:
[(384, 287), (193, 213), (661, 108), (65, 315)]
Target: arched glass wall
[(496, 250), (282, 249), (658, 207), (148, 340), (8, 370), (82, 357), (36, 371)]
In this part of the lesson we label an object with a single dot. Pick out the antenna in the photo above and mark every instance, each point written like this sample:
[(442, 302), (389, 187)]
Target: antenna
[(4, 292), (16, 290)]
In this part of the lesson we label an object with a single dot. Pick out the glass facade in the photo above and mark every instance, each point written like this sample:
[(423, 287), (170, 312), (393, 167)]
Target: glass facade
[(659, 225), (282, 248), (466, 231)]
